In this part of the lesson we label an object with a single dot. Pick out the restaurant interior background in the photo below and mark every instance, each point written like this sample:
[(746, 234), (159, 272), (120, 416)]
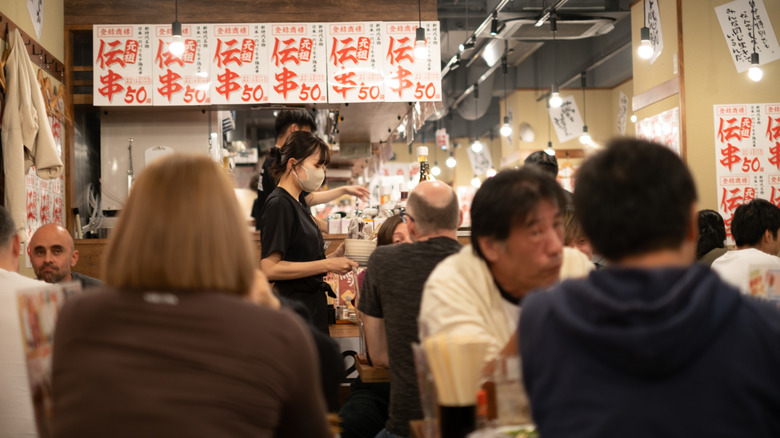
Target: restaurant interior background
[(675, 93)]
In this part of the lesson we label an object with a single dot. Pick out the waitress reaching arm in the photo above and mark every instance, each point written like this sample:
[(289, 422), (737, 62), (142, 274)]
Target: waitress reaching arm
[(293, 251)]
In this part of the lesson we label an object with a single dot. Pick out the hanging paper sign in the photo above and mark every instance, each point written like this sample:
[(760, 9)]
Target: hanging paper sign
[(238, 55), (408, 79), (567, 120), (122, 73), (298, 63), (736, 21), (622, 113), (355, 62), (480, 161), (747, 156), (184, 79), (663, 128), (653, 20)]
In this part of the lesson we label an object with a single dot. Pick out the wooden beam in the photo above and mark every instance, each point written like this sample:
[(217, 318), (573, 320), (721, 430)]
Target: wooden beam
[(38, 54), (656, 94)]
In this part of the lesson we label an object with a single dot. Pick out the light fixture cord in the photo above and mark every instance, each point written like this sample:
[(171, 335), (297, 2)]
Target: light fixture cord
[(584, 102), (176, 10), (504, 67), (554, 26), (644, 12), (753, 13), (419, 11)]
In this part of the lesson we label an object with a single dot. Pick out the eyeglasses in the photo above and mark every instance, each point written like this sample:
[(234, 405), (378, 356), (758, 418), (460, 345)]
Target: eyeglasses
[(406, 217)]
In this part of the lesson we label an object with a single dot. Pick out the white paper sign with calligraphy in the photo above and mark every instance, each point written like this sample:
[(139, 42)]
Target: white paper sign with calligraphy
[(622, 113), (238, 55), (747, 156), (298, 63), (408, 79), (355, 62), (567, 119), (480, 161), (122, 65), (663, 128), (736, 21), (181, 80), (653, 20)]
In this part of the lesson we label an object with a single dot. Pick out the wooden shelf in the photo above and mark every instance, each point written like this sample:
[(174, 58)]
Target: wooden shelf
[(82, 99), (82, 68)]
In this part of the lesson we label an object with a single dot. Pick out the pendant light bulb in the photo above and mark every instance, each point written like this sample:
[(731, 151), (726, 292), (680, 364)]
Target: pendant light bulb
[(755, 73), (549, 150), (176, 46), (645, 50), (555, 97), (585, 137), (476, 147), (451, 162), (436, 170), (506, 128), (491, 172), (420, 47), (476, 182)]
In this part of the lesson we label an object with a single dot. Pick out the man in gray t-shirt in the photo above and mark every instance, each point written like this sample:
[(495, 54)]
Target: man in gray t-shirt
[(392, 291)]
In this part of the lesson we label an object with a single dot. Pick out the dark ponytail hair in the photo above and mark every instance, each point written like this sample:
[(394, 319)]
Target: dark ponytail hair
[(712, 232), (299, 146)]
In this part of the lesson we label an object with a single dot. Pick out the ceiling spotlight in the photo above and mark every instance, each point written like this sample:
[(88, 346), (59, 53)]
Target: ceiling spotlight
[(494, 24), (451, 162), (555, 97), (469, 44), (645, 50), (506, 128), (585, 137), (455, 64), (476, 147), (420, 48)]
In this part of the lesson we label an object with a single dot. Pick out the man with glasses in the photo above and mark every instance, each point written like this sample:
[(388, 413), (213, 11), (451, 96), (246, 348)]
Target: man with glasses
[(390, 297), (516, 247)]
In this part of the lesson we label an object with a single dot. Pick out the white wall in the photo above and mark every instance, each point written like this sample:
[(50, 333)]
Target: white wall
[(183, 131)]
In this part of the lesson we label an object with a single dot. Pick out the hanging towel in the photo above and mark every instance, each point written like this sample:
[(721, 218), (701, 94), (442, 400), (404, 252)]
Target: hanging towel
[(26, 134)]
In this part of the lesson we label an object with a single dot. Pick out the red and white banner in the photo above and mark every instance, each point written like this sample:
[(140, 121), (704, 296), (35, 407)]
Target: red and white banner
[(408, 79), (122, 65), (298, 63), (747, 157), (181, 80), (355, 62), (238, 55)]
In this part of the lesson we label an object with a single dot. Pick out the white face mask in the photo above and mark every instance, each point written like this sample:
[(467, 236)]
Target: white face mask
[(314, 179)]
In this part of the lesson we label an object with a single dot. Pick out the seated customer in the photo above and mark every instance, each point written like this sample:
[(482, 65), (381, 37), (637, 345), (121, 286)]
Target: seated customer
[(174, 347), (755, 229), (392, 290), (653, 345), (53, 255), (516, 247), (712, 237)]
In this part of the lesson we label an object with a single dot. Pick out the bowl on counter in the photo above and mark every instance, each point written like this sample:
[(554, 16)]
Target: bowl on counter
[(359, 250)]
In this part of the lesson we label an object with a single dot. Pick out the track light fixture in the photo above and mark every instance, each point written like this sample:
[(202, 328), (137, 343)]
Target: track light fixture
[(494, 24)]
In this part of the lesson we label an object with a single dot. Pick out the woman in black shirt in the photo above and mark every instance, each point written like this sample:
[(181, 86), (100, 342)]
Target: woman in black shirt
[(293, 254)]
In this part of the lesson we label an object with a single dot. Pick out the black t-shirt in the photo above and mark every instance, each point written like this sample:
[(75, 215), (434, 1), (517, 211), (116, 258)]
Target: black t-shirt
[(265, 185), (289, 228), (392, 290)]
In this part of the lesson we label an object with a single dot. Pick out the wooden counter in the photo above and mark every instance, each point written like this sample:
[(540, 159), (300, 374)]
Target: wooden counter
[(91, 252)]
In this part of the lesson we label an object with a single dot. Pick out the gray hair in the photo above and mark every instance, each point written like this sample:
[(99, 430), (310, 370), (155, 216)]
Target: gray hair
[(429, 218), (7, 228)]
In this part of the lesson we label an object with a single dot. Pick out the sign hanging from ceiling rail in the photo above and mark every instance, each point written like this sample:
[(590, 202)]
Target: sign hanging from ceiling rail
[(281, 63)]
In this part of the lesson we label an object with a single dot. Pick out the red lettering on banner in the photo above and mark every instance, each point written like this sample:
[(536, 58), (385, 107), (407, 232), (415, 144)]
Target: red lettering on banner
[(227, 55), (773, 129), (190, 50), (111, 86), (227, 83), (403, 52), (730, 156), (749, 194), (170, 84), (345, 79), (305, 49), (345, 53), (247, 51), (745, 127), (164, 56), (363, 48), (112, 56), (730, 200), (131, 51), (403, 83), (285, 55), (775, 198), (731, 130), (285, 82)]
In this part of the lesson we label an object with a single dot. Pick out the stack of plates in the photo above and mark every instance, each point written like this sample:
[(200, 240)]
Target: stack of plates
[(359, 250)]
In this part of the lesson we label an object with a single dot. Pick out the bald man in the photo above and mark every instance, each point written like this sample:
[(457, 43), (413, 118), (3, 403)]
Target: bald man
[(53, 255), (392, 291)]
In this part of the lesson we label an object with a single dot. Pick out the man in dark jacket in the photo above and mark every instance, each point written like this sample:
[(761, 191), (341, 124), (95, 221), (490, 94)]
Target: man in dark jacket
[(652, 346)]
